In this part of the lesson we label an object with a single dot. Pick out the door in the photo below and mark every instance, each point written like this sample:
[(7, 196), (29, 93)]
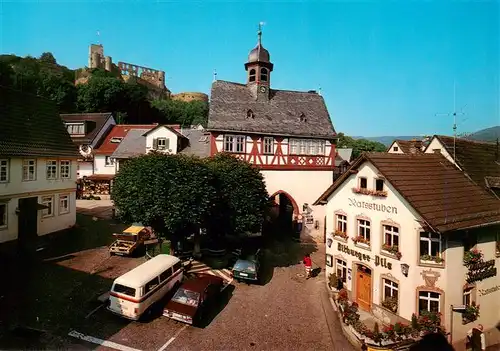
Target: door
[(27, 222), (364, 288)]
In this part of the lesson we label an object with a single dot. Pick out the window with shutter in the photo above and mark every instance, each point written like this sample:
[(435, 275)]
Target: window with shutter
[(155, 143)]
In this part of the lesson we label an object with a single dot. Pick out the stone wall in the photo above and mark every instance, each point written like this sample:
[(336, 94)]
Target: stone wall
[(190, 96)]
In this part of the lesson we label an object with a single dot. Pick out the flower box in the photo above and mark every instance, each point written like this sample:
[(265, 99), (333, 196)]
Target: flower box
[(391, 303), (471, 313), (393, 250), (364, 191), (360, 240), (430, 258), (473, 256), (340, 234)]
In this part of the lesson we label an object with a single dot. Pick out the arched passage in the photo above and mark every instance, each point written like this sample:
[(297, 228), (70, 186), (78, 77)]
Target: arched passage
[(284, 215)]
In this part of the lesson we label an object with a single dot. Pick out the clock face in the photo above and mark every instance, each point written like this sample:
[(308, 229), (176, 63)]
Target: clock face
[(262, 89)]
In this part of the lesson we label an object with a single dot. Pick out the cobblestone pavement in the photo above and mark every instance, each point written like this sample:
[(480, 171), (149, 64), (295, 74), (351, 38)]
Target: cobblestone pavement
[(97, 208)]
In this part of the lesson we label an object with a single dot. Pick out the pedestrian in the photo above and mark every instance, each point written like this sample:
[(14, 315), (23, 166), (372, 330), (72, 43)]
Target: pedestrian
[(476, 338), (308, 265)]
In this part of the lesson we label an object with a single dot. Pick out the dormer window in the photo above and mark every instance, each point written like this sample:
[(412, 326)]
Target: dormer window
[(250, 114), (115, 140), (263, 74), (251, 75), (303, 117), (76, 128), (395, 148)]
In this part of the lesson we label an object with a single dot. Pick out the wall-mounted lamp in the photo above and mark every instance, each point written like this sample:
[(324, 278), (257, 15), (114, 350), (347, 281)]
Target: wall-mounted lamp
[(17, 211), (305, 206), (405, 269), (329, 242)]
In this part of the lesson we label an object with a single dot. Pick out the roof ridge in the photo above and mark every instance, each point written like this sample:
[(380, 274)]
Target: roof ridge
[(468, 140)]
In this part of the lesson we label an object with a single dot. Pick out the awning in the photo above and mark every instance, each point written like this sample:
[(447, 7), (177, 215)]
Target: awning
[(97, 177)]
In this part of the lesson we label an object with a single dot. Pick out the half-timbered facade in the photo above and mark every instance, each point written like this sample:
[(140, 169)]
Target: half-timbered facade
[(287, 134)]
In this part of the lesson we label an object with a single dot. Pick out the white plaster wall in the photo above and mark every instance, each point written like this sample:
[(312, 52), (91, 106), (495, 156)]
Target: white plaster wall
[(405, 217), (391, 149), (436, 144), (85, 169), (304, 187), (100, 166), (162, 132)]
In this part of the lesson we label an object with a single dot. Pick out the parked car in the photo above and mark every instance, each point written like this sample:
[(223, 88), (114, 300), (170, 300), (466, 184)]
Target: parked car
[(132, 239), (247, 267), (191, 301)]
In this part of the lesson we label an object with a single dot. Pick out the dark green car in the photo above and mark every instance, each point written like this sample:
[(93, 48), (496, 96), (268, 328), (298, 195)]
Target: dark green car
[(247, 268)]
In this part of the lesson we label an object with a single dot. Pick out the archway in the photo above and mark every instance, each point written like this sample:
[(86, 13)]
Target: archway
[(284, 215)]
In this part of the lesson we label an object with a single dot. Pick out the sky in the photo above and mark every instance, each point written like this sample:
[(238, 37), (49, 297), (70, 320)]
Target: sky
[(384, 67)]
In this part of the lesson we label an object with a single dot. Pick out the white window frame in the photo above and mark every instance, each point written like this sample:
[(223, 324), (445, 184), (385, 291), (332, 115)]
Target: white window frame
[(65, 169), (75, 128), (431, 238), (392, 231), (4, 169), (395, 148), (51, 169), (467, 295), (162, 143), (268, 146), (428, 300), (341, 224), (109, 161), (306, 147), (342, 265), (294, 147), (48, 200), (393, 287), (234, 143), (64, 198), (4, 221), (364, 226), (29, 164)]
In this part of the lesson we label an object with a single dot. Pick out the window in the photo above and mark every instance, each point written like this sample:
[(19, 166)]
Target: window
[(429, 301), (251, 75), (391, 236), (234, 143), (341, 270), (29, 170), (165, 275), (250, 114), (469, 242), (125, 290), (177, 266), (116, 140), (4, 171), (109, 161), (263, 74), (63, 204), (430, 245), (364, 230), (269, 146), (379, 184), (51, 169), (467, 299), (342, 223), (163, 143), (363, 183), (151, 285), (65, 169), (307, 147), (49, 202), (76, 128), (395, 148), (390, 289), (3, 215)]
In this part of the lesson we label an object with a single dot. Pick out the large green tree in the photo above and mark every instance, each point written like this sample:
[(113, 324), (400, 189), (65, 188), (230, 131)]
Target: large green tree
[(174, 194), (359, 145)]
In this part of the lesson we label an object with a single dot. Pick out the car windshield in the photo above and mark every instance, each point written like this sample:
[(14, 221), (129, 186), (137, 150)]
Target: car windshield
[(186, 297), (244, 266)]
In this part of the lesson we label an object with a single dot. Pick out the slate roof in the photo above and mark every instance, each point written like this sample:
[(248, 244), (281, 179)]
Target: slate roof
[(478, 159), (133, 144), (94, 123), (31, 126), (118, 131), (440, 193), (281, 115), (199, 143)]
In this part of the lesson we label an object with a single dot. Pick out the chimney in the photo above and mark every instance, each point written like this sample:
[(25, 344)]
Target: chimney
[(415, 146)]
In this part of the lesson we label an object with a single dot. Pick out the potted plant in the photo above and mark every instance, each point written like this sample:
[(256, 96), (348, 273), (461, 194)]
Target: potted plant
[(360, 239), (471, 313), (391, 303), (393, 250), (436, 259), (341, 234), (472, 256)]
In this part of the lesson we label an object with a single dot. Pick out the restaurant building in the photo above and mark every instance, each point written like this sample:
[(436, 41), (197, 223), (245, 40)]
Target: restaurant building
[(400, 228)]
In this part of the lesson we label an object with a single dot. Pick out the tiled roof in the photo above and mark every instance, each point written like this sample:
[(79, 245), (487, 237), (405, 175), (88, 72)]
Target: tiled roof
[(442, 195), (406, 145), (174, 128), (281, 115), (134, 144), (94, 123), (107, 147), (478, 159), (31, 126)]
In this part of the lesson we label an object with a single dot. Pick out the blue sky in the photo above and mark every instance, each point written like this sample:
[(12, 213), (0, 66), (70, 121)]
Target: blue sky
[(385, 67)]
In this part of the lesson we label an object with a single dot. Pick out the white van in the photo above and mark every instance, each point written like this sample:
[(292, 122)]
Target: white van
[(136, 291)]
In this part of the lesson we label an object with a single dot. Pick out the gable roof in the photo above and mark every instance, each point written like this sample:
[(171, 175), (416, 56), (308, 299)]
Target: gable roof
[(281, 115), (345, 154), (172, 128), (31, 126), (406, 145), (118, 131), (94, 123), (442, 195), (478, 159), (133, 144)]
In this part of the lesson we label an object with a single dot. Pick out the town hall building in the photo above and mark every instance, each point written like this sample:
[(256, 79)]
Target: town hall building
[(287, 134)]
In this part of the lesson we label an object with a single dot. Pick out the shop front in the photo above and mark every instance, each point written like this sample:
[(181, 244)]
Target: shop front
[(95, 187)]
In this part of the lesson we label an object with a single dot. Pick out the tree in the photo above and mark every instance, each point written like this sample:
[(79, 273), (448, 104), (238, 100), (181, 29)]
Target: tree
[(181, 112), (243, 198), (47, 57), (359, 145), (174, 194)]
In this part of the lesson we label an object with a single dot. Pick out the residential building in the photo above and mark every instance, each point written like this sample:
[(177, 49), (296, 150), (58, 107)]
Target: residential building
[(287, 134), (400, 228), (342, 162), (38, 163), (400, 146), (479, 160), (87, 131)]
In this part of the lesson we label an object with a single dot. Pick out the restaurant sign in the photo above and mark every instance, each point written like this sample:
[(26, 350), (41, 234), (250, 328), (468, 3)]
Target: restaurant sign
[(480, 271), (377, 260), (372, 206), (489, 290)]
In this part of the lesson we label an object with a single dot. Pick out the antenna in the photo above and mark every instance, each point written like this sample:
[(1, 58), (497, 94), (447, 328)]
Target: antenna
[(98, 37), (319, 90), (215, 75), (454, 114)]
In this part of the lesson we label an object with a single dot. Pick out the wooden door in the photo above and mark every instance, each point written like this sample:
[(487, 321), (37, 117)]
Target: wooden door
[(27, 222), (364, 290)]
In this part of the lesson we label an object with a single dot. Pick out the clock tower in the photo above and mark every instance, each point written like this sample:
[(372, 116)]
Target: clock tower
[(259, 68)]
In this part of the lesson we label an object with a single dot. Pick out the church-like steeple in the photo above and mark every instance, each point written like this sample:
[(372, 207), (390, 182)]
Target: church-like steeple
[(259, 68)]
